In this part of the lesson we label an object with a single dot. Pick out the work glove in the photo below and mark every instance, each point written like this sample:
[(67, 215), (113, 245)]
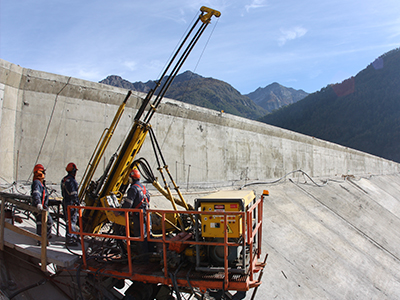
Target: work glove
[(75, 228), (39, 206)]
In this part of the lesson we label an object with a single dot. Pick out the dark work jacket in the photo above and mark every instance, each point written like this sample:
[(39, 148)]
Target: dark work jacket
[(39, 194), (69, 190), (137, 197)]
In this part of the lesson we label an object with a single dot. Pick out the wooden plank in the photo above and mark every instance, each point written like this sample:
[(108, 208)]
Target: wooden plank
[(22, 231), (57, 253), (8, 197), (44, 240), (15, 196), (2, 221), (25, 239)]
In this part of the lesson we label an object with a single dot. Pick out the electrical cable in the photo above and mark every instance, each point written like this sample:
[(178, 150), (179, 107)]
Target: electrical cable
[(40, 282), (61, 119), (287, 174), (190, 285), (51, 278), (176, 68), (175, 286), (70, 251), (145, 169), (17, 189), (10, 185), (205, 46), (188, 82), (195, 17), (78, 280)]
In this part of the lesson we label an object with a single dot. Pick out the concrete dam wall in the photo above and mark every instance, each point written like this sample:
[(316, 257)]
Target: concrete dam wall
[(332, 238), (54, 119)]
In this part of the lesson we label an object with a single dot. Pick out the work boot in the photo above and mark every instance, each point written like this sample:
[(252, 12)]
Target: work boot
[(39, 243), (71, 242)]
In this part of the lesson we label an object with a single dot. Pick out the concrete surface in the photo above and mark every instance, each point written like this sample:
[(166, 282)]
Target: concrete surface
[(22, 280), (57, 253), (326, 237), (54, 119), (338, 240)]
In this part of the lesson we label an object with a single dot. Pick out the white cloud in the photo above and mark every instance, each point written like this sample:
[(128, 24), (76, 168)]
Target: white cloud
[(131, 65), (291, 34), (394, 27), (91, 75), (134, 40), (255, 4)]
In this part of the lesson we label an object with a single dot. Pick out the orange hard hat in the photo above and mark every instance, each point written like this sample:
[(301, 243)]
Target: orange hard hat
[(135, 174), (38, 167), (71, 167)]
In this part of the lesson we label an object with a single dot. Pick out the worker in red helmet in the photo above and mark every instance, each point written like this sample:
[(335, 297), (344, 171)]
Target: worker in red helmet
[(138, 197), (40, 198), (69, 191)]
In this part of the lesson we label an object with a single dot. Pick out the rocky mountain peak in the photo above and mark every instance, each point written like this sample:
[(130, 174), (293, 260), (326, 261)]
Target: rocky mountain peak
[(274, 96)]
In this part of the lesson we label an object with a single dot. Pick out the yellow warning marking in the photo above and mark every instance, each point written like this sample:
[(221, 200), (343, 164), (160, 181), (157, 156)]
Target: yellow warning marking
[(229, 228)]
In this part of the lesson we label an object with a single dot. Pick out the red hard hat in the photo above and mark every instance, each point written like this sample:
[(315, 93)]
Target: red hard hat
[(71, 167), (38, 167), (135, 174)]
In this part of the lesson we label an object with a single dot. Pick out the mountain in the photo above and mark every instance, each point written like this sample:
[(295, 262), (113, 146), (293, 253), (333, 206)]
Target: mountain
[(205, 92), (118, 81), (214, 94), (362, 112), (274, 96)]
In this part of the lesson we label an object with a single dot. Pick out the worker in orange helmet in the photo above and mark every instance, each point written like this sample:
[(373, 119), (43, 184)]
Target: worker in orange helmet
[(40, 198), (138, 197), (69, 191)]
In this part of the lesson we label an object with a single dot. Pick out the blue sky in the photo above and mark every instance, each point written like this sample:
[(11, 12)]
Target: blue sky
[(304, 44)]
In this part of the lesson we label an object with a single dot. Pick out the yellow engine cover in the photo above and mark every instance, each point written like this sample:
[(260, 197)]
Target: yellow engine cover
[(224, 201)]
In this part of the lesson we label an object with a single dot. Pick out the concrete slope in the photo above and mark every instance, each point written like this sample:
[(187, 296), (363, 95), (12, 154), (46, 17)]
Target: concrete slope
[(335, 241)]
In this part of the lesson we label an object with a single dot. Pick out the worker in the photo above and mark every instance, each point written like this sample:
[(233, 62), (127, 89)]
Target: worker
[(40, 198), (69, 191), (138, 197)]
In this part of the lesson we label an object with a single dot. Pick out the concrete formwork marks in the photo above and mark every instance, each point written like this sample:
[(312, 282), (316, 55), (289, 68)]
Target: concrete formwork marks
[(58, 119), (332, 242)]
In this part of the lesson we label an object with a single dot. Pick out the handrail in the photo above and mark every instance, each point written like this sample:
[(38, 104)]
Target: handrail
[(250, 231), (18, 230)]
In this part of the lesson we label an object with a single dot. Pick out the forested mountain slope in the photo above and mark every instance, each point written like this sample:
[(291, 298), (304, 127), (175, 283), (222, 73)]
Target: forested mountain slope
[(362, 112)]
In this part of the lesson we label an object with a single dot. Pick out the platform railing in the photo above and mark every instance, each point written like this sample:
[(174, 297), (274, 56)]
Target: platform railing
[(251, 228), (3, 224)]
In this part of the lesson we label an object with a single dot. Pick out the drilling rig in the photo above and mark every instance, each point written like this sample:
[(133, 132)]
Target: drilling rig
[(211, 246)]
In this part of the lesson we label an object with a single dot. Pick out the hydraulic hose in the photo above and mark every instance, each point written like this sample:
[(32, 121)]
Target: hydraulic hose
[(40, 282)]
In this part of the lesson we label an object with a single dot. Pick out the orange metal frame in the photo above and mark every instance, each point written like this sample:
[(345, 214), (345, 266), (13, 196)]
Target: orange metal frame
[(247, 281)]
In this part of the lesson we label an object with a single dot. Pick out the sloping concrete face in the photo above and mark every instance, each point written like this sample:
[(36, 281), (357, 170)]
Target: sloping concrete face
[(334, 241), (337, 240), (53, 120)]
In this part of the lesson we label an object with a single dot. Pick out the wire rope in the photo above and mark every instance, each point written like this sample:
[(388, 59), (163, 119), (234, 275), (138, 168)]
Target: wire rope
[(48, 124)]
